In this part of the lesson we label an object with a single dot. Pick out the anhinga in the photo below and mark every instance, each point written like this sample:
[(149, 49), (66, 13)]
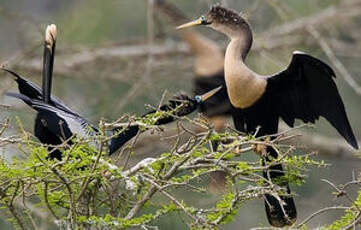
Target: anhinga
[(56, 123), (208, 68), (305, 90)]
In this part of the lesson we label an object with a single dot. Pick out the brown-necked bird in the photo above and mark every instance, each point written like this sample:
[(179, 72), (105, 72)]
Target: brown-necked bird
[(56, 123), (305, 90)]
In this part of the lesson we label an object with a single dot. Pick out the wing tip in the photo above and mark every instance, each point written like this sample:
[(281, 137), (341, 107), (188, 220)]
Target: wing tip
[(354, 144), (17, 76), (19, 96), (350, 139)]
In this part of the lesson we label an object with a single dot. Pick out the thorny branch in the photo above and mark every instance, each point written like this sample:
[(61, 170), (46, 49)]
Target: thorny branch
[(62, 186), (157, 175)]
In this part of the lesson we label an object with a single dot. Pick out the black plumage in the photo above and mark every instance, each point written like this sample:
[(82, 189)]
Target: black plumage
[(56, 122), (217, 105), (54, 126), (305, 90), (180, 105)]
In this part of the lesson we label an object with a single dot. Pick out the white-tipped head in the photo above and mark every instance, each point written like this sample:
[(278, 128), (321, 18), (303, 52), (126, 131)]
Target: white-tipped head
[(50, 35)]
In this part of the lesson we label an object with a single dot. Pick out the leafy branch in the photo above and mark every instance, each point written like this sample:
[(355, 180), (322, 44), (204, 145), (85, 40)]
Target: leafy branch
[(86, 189)]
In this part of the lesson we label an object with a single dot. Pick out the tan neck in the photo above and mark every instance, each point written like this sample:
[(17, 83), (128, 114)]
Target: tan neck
[(209, 58), (244, 86)]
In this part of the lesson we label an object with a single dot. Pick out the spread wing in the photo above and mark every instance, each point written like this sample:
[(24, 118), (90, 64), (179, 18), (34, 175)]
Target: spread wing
[(32, 91), (57, 121), (306, 90)]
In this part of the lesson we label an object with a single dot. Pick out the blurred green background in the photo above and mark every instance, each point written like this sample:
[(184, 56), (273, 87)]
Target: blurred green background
[(111, 86)]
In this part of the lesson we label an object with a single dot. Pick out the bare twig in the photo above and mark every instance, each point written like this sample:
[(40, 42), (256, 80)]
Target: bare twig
[(321, 211), (335, 61)]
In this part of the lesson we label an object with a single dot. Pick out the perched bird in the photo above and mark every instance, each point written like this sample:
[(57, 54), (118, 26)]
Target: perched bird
[(56, 123), (208, 68), (305, 90)]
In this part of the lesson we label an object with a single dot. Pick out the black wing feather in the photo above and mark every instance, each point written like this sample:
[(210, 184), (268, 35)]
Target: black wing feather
[(54, 116), (306, 90), (34, 92)]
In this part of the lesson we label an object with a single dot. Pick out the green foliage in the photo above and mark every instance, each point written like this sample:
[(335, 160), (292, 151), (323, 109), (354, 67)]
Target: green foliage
[(349, 218), (85, 189), (225, 209), (295, 173)]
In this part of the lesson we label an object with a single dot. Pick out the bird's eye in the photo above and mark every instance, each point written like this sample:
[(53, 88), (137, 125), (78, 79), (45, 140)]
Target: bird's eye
[(204, 20), (198, 99)]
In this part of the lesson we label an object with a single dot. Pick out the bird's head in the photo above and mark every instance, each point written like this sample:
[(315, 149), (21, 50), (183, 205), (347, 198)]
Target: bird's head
[(226, 21)]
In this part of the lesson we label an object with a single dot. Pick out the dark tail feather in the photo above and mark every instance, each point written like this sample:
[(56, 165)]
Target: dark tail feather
[(118, 141), (278, 216)]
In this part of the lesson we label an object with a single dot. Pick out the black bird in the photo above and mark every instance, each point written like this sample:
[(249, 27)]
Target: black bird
[(54, 126), (305, 90), (55, 122)]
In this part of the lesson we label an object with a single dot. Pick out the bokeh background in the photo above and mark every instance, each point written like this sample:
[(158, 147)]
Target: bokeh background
[(115, 56)]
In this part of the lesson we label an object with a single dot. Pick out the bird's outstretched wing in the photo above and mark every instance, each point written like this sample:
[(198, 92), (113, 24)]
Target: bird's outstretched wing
[(34, 92), (58, 121), (306, 90)]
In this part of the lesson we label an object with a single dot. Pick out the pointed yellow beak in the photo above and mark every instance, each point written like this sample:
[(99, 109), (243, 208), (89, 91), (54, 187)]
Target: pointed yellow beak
[(197, 22), (209, 94)]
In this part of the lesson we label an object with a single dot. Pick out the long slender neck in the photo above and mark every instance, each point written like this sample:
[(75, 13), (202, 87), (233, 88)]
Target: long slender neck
[(236, 53), (244, 86), (240, 44)]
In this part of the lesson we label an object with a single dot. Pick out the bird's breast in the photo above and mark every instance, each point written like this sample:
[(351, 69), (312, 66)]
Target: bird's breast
[(244, 90)]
